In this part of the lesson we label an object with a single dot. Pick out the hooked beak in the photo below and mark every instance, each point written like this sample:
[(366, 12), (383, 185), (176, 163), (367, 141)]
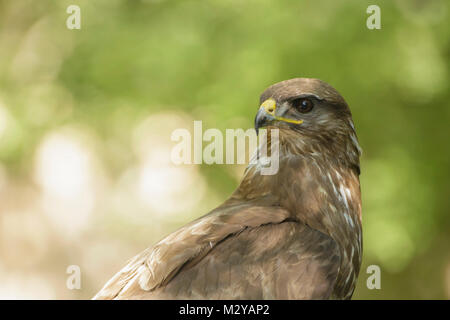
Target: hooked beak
[(266, 115)]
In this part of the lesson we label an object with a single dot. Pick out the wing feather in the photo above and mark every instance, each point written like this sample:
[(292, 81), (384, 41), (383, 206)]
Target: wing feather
[(157, 265)]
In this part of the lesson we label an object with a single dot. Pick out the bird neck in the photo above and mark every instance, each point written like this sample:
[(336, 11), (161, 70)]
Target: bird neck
[(319, 189), (317, 182)]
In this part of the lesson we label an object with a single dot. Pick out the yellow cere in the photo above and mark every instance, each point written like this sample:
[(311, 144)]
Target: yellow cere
[(270, 105)]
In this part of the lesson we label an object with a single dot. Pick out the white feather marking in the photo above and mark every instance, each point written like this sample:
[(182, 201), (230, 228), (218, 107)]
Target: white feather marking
[(343, 195), (349, 220), (332, 183)]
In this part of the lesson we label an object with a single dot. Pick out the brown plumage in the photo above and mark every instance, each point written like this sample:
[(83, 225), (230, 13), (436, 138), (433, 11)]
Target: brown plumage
[(293, 235)]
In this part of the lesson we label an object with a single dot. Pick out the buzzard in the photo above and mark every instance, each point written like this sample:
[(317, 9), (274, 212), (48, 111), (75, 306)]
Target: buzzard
[(292, 235)]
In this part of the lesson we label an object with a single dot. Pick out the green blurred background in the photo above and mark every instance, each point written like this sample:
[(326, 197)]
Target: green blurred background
[(86, 117)]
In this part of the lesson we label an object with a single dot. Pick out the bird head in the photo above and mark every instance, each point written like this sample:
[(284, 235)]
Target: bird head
[(314, 116)]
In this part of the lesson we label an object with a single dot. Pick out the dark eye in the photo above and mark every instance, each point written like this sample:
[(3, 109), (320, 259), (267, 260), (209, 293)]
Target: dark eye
[(303, 105)]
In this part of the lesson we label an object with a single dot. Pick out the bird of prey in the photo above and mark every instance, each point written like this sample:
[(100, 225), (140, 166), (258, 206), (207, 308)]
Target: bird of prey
[(292, 235)]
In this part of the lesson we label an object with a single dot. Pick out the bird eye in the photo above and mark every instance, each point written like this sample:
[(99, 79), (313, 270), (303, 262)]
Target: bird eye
[(303, 105)]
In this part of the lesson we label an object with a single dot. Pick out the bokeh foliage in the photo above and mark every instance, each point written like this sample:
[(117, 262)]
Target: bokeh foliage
[(209, 60)]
